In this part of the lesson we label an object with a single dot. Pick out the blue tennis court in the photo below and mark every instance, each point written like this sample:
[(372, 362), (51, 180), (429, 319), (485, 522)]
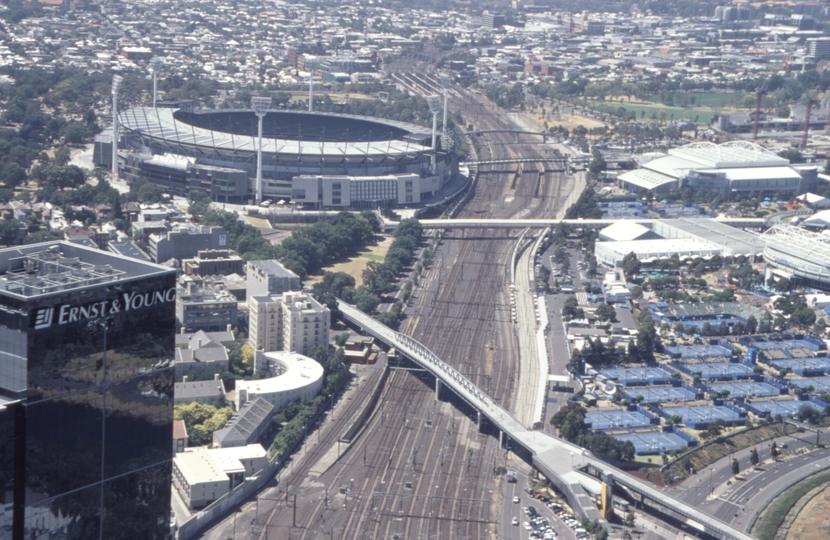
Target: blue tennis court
[(638, 375), (657, 394), (784, 344), (616, 419), (819, 384), (800, 366), (700, 416), (653, 443), (721, 370), (698, 351), (744, 389), (783, 407)]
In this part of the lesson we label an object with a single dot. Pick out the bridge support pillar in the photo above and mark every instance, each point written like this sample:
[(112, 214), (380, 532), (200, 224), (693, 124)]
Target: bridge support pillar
[(545, 138), (479, 417), (502, 439), (438, 386)]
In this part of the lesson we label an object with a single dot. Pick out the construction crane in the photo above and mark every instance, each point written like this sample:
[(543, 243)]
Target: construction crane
[(810, 101), (759, 94)]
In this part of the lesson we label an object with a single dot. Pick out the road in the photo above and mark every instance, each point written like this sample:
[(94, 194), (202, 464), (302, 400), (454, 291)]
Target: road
[(739, 502)]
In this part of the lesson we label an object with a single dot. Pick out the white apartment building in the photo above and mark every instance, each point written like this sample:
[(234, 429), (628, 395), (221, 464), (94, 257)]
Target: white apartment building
[(293, 321)]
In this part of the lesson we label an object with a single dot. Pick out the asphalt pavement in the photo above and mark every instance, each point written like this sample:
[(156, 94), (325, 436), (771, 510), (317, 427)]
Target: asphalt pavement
[(738, 502)]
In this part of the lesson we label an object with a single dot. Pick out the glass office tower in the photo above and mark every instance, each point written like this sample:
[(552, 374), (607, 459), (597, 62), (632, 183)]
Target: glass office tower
[(86, 394)]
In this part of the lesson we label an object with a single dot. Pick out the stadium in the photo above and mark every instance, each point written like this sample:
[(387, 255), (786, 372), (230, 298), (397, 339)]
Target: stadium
[(319, 160), (731, 168), (798, 254)]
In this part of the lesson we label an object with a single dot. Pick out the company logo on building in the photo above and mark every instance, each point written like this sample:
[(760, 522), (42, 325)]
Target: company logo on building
[(43, 318), (66, 313)]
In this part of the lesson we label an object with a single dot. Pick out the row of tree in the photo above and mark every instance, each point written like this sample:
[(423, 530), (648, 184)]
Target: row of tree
[(305, 251)]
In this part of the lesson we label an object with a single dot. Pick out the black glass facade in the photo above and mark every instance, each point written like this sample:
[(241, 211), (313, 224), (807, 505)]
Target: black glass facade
[(86, 444)]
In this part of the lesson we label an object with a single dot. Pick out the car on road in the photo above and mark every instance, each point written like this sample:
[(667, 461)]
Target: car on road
[(515, 498), (515, 520)]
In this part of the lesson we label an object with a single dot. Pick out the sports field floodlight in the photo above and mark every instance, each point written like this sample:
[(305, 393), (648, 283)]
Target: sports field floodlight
[(311, 64), (434, 103), (261, 105), (445, 82), (116, 84), (155, 67)]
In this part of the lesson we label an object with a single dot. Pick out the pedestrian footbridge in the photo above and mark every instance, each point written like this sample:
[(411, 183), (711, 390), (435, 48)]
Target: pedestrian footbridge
[(543, 223), (554, 457)]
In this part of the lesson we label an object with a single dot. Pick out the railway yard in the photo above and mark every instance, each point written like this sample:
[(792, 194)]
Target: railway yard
[(420, 468)]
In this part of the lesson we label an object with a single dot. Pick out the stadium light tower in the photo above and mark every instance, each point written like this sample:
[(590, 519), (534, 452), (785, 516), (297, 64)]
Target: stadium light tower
[(116, 84), (445, 82), (155, 67), (311, 64), (261, 105), (434, 103)]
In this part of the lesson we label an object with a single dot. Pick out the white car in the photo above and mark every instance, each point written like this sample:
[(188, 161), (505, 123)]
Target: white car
[(515, 498), (526, 525), (515, 520)]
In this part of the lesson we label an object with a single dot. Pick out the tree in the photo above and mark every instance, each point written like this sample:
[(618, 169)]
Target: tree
[(569, 420), (636, 293), (714, 430), (12, 232), (751, 324), (753, 457), (808, 414), (12, 175), (198, 202), (736, 467), (631, 264), (365, 300), (571, 309), (605, 312)]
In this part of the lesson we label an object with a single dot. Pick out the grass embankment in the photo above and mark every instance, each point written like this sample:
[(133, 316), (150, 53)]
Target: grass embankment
[(773, 515), (705, 455)]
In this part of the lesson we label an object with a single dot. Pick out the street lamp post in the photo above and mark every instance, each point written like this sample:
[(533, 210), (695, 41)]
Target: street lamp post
[(445, 82), (311, 64), (102, 324), (116, 84), (434, 103), (261, 105), (155, 67)]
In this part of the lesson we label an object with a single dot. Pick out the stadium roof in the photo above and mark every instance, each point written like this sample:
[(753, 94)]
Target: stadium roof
[(163, 124), (623, 230), (730, 240), (806, 253), (819, 219), (649, 251), (761, 173), (673, 166), (729, 155), (646, 179)]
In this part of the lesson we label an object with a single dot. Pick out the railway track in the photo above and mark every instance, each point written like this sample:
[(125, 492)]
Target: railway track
[(421, 469)]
